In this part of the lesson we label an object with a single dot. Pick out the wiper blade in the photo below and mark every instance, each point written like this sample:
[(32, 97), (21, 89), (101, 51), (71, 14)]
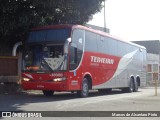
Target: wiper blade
[(49, 68)]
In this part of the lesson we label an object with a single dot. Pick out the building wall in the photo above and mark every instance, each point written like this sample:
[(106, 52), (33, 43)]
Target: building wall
[(153, 68)]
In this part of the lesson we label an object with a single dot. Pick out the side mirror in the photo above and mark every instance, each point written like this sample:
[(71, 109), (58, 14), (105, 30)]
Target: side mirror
[(66, 45), (69, 40)]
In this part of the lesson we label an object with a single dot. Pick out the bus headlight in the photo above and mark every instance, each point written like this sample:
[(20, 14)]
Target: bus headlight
[(26, 79), (59, 79)]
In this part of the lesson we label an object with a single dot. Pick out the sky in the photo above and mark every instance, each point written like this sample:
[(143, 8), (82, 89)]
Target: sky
[(131, 20)]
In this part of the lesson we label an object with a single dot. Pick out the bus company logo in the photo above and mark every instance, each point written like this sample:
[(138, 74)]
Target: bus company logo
[(21, 114), (102, 60), (6, 114), (57, 75)]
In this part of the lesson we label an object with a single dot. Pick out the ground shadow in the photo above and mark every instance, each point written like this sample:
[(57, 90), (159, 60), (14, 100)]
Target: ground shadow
[(16, 101)]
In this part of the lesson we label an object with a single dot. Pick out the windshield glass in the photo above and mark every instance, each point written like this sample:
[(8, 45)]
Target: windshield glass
[(48, 58)]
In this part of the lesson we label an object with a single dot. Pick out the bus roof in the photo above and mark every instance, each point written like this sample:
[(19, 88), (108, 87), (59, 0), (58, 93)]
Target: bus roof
[(72, 26)]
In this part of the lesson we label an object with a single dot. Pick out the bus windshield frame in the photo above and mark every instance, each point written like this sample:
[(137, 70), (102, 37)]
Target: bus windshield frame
[(45, 51)]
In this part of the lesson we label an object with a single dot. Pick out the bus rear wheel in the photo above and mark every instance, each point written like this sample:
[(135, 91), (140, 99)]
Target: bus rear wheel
[(48, 92), (135, 86), (85, 89)]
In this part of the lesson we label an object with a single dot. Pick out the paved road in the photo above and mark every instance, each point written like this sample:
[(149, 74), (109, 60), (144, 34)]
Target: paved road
[(144, 100)]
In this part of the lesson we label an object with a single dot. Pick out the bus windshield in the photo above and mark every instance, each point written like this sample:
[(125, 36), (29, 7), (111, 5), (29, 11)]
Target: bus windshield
[(44, 51), (44, 58)]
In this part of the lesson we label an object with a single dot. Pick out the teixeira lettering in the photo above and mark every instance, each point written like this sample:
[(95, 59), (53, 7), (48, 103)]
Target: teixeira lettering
[(102, 60)]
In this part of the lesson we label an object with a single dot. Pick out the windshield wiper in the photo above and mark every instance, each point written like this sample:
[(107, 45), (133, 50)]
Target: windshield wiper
[(61, 66), (47, 65)]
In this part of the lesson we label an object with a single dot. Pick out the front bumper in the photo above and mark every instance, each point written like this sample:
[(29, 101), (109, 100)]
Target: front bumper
[(55, 86)]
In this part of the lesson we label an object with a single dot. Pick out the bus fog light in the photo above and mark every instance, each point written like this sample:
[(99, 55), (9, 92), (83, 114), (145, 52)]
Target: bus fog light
[(59, 79)]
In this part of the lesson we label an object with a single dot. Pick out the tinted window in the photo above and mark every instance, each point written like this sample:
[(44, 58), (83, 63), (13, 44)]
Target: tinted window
[(90, 41), (107, 48), (102, 44), (121, 48), (113, 46), (37, 36), (55, 35)]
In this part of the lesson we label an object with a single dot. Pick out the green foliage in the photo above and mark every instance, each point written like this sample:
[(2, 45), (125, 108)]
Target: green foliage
[(18, 16)]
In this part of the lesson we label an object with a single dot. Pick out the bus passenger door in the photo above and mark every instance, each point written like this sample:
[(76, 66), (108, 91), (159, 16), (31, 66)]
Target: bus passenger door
[(76, 55)]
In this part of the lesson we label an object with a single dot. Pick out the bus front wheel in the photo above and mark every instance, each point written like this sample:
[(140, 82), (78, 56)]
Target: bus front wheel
[(48, 92), (85, 89)]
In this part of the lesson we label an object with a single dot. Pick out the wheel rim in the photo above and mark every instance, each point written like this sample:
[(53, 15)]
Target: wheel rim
[(85, 89), (136, 86), (131, 87)]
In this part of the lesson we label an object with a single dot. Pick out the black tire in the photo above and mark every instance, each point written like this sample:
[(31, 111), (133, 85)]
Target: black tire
[(48, 92), (135, 87), (85, 89), (130, 88)]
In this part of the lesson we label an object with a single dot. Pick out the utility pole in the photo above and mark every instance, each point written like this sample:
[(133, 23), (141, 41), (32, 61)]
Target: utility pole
[(104, 15)]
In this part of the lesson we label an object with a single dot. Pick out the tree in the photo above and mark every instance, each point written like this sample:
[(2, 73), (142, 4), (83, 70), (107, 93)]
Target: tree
[(18, 16)]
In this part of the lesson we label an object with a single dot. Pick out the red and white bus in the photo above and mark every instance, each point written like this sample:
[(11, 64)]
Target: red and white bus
[(77, 58)]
